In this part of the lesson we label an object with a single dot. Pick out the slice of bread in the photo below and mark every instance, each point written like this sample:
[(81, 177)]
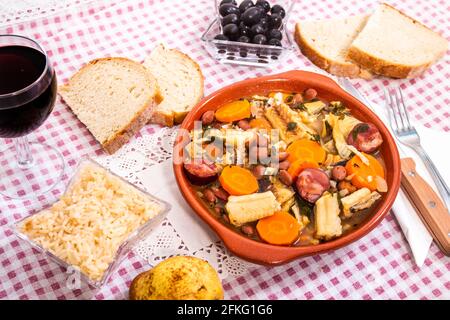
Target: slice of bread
[(113, 97), (395, 45), (325, 43), (180, 80)]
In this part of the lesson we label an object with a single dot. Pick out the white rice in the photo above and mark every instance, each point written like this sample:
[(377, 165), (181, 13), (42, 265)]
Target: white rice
[(88, 224)]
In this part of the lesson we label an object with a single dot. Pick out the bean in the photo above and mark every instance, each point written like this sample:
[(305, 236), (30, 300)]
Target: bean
[(220, 193), (285, 177), (226, 218), (208, 117), (283, 156), (258, 171), (298, 98), (248, 230), (284, 165), (209, 195), (338, 173), (310, 94), (244, 125), (218, 210)]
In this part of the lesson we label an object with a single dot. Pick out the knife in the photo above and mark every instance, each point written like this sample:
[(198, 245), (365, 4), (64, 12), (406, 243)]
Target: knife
[(425, 200)]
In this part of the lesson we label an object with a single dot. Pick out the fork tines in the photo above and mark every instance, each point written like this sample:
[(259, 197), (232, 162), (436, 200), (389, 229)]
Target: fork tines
[(398, 113)]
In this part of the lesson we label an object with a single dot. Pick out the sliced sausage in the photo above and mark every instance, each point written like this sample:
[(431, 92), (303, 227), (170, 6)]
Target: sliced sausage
[(365, 137), (201, 173), (312, 183)]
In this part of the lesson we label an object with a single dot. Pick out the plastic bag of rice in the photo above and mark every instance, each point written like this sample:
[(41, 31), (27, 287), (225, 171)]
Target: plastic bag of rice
[(97, 213)]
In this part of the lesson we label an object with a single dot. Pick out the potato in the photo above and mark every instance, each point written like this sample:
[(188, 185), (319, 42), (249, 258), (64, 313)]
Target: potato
[(178, 278)]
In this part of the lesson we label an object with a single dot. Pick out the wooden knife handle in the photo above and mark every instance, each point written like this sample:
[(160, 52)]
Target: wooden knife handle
[(428, 204)]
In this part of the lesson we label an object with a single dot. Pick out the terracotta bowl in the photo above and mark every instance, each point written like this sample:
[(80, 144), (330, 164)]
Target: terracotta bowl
[(292, 81)]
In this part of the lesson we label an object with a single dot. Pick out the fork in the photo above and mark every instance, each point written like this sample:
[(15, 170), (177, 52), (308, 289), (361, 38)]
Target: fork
[(407, 135)]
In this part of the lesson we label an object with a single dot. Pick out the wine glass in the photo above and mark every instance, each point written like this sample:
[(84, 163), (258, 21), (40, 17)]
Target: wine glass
[(27, 97)]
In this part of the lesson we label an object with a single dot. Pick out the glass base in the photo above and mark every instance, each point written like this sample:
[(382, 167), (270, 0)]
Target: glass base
[(41, 176)]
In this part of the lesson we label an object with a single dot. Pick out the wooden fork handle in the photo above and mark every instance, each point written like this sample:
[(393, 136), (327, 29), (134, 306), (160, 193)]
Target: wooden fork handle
[(430, 207)]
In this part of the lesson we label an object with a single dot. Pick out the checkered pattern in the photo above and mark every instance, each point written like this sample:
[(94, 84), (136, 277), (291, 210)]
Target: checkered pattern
[(379, 266)]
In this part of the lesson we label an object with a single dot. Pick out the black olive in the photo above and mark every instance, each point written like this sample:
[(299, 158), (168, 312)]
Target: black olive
[(277, 9), (261, 9), (275, 21), (264, 21), (275, 34), (231, 18), (251, 16), (259, 39), (231, 31), (244, 30), (275, 42), (263, 4), (258, 29), (227, 9), (221, 37), (246, 4), (244, 39), (228, 1)]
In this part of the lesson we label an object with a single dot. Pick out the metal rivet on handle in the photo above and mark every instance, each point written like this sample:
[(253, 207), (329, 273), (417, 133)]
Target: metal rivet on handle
[(431, 204), (411, 173)]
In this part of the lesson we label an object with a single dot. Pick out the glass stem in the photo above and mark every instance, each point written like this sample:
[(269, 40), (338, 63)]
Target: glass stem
[(23, 153)]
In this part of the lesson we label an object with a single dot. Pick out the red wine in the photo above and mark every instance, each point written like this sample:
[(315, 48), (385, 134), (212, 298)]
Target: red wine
[(24, 72)]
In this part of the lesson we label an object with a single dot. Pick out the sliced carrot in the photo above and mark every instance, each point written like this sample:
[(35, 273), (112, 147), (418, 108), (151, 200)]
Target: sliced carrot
[(234, 111), (306, 149), (238, 181), (261, 123), (281, 228), (364, 175), (299, 165)]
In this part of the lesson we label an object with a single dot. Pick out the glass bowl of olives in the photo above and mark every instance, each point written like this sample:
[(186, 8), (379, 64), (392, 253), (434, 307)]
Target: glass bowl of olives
[(249, 32)]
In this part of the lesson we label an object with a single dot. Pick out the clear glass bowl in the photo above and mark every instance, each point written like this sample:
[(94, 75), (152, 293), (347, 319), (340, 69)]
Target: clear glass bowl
[(248, 53), (138, 235)]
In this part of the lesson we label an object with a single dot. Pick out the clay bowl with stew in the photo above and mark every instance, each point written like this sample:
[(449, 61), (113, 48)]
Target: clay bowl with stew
[(291, 81)]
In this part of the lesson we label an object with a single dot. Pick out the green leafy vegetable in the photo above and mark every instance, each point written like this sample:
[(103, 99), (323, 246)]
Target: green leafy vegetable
[(291, 126), (306, 208), (299, 106)]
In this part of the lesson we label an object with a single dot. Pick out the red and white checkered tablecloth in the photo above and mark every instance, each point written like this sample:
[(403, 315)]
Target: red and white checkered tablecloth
[(379, 266)]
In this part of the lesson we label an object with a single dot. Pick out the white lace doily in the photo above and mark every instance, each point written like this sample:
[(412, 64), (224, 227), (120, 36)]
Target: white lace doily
[(166, 241), (12, 11)]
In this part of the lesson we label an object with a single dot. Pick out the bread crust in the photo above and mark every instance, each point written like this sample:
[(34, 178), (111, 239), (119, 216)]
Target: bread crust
[(385, 68), (388, 68), (124, 135), (133, 293), (350, 70), (121, 137), (171, 118)]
